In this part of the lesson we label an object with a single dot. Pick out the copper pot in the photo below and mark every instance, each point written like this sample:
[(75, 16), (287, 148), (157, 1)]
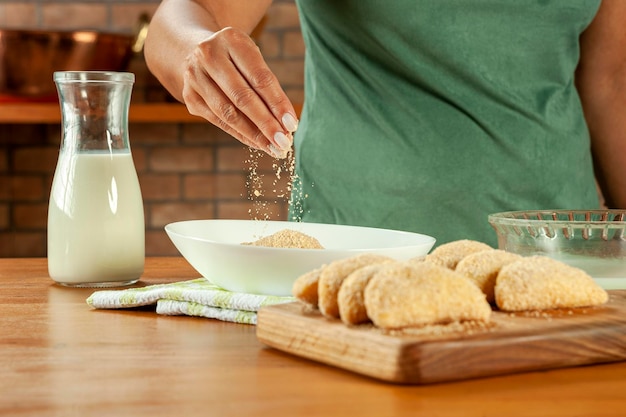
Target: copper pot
[(28, 58)]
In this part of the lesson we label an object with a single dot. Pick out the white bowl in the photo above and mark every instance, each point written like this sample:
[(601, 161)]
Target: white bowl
[(214, 248)]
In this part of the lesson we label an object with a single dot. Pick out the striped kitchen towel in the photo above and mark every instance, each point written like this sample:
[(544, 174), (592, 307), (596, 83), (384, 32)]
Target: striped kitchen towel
[(197, 297)]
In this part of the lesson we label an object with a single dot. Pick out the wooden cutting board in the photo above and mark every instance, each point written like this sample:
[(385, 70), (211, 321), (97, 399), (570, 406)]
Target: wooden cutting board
[(512, 343)]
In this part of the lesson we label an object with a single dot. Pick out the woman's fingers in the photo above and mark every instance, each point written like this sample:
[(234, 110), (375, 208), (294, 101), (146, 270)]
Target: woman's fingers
[(266, 85), (228, 83)]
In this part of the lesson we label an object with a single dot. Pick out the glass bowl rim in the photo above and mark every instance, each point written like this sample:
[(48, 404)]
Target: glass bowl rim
[(515, 218)]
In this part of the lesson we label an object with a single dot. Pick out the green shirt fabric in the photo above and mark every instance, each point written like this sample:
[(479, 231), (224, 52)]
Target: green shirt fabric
[(428, 115)]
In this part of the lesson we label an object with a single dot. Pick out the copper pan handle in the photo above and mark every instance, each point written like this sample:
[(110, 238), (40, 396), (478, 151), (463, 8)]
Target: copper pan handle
[(141, 32)]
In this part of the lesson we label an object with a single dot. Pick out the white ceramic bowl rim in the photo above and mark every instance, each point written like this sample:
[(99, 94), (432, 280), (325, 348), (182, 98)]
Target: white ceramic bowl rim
[(410, 238)]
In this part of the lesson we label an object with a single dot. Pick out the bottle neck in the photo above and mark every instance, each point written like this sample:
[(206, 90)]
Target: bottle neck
[(94, 115)]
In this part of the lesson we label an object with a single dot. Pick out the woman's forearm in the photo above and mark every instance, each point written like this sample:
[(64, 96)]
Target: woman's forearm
[(601, 81), (178, 26), (607, 125), (202, 53)]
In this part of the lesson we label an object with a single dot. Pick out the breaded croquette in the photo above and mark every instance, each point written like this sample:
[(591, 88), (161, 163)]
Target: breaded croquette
[(305, 286), (405, 295), (350, 296), (540, 283), (416, 260), (482, 268), (333, 275), (449, 254)]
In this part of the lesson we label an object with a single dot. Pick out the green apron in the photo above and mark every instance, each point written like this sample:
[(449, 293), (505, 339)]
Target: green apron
[(428, 115)]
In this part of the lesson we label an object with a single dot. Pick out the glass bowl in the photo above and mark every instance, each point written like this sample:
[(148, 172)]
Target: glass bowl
[(592, 240)]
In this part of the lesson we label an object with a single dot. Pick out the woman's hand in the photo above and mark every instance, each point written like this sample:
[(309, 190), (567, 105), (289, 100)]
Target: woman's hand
[(227, 82)]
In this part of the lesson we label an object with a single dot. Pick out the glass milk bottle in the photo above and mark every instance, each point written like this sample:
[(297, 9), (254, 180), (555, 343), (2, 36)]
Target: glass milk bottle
[(96, 232)]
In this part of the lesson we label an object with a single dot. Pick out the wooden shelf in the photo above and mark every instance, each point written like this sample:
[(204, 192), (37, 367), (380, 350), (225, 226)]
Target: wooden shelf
[(23, 113), (28, 113)]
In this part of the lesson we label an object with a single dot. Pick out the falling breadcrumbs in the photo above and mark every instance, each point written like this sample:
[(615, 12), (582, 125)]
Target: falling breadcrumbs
[(270, 193)]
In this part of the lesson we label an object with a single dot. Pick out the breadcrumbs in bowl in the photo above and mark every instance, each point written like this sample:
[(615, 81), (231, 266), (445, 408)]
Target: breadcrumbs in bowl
[(287, 238), (592, 240), (242, 255)]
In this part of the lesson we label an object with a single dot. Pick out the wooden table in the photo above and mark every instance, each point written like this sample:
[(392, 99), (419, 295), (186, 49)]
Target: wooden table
[(58, 357)]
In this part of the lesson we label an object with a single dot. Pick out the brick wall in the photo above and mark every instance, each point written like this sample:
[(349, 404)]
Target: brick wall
[(186, 171)]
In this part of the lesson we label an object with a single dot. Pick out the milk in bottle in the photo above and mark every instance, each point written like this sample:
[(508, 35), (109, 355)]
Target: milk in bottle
[(95, 216)]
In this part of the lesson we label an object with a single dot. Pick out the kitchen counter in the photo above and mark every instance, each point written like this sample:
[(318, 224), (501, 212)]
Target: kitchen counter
[(60, 357)]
